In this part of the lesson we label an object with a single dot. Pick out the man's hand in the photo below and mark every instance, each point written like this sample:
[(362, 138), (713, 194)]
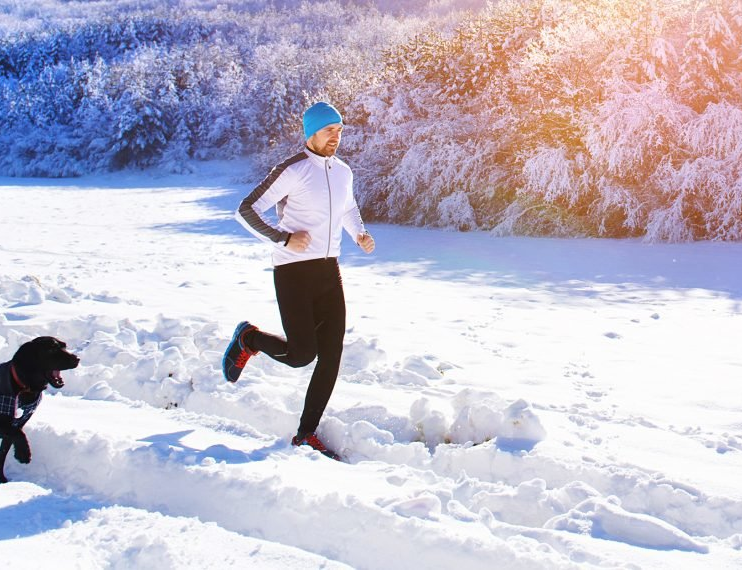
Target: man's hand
[(366, 242), (299, 241)]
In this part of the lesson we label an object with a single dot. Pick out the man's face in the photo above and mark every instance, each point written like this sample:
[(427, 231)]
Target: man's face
[(326, 140)]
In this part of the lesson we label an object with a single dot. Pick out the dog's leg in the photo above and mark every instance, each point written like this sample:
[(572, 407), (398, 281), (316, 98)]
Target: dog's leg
[(22, 449), (4, 449)]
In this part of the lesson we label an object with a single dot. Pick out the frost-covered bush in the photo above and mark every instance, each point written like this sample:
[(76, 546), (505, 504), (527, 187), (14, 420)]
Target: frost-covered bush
[(183, 80), (580, 117)]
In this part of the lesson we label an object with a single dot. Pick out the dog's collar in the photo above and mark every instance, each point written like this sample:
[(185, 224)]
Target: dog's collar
[(17, 380)]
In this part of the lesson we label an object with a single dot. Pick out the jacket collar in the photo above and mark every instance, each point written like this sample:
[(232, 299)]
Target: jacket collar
[(318, 159)]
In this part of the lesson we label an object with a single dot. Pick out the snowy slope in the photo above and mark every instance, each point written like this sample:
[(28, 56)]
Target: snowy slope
[(509, 403)]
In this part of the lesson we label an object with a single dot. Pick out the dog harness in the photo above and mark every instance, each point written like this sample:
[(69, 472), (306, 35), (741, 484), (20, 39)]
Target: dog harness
[(10, 402)]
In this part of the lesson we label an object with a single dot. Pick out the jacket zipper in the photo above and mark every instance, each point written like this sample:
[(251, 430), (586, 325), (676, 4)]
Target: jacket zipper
[(329, 197)]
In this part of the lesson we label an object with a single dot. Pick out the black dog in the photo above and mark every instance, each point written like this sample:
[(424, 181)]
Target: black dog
[(34, 366)]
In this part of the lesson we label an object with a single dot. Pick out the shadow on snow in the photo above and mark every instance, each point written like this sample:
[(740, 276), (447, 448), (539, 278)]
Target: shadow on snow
[(170, 446)]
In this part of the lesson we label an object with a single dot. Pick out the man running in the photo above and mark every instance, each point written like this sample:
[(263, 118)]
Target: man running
[(313, 195)]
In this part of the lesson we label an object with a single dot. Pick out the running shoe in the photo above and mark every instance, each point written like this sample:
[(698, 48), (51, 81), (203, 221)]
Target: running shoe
[(314, 442), (237, 353)]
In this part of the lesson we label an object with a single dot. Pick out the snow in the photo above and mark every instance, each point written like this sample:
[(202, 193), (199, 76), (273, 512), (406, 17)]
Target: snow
[(542, 403)]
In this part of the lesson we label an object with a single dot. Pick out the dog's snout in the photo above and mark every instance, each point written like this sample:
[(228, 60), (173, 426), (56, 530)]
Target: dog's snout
[(71, 360)]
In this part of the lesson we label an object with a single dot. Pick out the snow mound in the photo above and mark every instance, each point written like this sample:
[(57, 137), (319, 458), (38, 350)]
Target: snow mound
[(605, 518), (481, 417), (152, 539)]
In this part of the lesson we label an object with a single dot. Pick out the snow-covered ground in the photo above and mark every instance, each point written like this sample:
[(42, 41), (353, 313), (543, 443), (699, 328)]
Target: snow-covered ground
[(503, 403)]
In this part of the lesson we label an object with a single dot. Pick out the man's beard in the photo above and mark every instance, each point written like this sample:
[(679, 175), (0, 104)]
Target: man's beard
[(328, 150)]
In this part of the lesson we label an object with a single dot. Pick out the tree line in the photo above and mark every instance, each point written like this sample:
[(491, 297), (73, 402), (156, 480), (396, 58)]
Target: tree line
[(541, 117)]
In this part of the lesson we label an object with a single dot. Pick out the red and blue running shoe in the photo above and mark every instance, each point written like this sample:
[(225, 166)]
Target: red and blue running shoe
[(314, 442), (237, 353)]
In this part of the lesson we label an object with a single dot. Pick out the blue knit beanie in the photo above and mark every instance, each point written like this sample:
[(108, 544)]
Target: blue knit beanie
[(318, 116)]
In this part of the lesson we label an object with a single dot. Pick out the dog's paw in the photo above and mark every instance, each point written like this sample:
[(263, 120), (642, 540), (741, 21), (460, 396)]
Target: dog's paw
[(21, 448)]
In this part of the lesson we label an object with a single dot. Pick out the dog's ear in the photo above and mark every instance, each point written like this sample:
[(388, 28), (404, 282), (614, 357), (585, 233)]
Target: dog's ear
[(24, 356)]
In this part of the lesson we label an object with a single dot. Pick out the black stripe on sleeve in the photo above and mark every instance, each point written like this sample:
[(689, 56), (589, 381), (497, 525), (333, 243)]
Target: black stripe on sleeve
[(253, 218)]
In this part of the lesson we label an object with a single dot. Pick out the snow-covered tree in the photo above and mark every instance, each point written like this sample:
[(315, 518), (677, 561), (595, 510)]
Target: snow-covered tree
[(177, 154), (703, 195), (142, 110), (710, 65)]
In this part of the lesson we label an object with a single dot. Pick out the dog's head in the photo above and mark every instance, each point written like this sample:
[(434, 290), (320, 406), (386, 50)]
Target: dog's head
[(39, 362)]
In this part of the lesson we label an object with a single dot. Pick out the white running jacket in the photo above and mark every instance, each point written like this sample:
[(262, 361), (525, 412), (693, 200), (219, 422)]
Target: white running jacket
[(311, 193)]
